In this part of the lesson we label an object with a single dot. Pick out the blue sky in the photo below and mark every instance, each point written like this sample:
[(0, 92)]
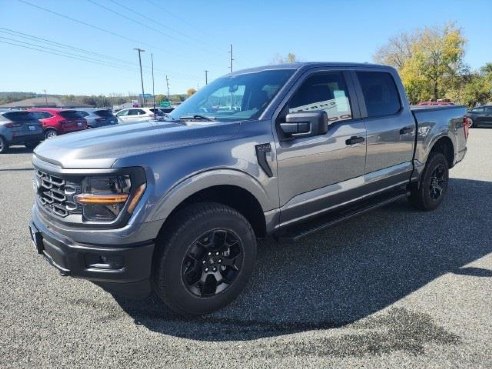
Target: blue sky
[(188, 37)]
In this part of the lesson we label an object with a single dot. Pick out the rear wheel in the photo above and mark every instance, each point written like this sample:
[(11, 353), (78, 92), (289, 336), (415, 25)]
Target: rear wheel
[(50, 133), (4, 146), (205, 259), (433, 183)]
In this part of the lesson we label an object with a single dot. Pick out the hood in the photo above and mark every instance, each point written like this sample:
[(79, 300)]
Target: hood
[(99, 148)]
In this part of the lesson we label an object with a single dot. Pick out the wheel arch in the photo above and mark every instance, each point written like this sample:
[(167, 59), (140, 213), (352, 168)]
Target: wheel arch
[(233, 188), (230, 195), (445, 146)]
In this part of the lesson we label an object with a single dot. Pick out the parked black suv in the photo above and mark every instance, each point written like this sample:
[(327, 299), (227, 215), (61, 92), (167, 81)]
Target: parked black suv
[(481, 116)]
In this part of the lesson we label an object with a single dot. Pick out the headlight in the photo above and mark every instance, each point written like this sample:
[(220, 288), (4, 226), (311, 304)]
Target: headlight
[(103, 198)]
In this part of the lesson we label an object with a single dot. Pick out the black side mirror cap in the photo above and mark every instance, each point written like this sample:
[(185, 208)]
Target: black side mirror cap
[(305, 124)]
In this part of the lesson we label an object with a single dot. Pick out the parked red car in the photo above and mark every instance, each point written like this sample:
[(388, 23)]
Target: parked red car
[(59, 121)]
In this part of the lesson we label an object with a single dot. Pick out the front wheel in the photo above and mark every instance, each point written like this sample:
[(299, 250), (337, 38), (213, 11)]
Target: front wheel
[(204, 259), (433, 183)]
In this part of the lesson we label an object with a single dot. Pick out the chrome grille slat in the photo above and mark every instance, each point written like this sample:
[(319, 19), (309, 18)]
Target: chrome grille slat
[(56, 194)]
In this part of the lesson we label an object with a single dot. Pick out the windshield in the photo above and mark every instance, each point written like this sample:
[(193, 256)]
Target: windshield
[(238, 97)]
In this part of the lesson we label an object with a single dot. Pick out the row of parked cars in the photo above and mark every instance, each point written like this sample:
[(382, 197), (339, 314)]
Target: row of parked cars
[(30, 127)]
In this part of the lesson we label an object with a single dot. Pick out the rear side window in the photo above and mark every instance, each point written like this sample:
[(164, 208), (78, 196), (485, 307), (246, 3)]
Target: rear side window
[(104, 113), (324, 91), (41, 114), (70, 114), (380, 93), (19, 116)]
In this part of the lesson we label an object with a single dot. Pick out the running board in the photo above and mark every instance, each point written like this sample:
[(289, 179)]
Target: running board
[(296, 232)]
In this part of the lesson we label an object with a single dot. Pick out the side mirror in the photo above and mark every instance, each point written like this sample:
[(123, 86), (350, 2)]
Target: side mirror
[(305, 124)]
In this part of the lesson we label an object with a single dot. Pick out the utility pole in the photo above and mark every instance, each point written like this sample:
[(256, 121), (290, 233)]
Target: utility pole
[(230, 52), (141, 74), (153, 91), (206, 77), (45, 98), (167, 83)]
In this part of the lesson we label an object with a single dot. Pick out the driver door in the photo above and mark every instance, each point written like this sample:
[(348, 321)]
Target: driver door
[(320, 171)]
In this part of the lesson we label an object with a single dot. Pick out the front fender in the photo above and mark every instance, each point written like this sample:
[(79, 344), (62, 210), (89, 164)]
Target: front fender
[(201, 181)]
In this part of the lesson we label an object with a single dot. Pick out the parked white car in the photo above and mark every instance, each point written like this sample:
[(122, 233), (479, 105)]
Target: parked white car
[(134, 115)]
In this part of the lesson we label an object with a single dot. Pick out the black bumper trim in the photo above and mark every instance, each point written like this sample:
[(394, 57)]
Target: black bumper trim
[(76, 260)]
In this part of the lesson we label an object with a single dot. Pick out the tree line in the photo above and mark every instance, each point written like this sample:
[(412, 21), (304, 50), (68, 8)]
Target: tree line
[(431, 65)]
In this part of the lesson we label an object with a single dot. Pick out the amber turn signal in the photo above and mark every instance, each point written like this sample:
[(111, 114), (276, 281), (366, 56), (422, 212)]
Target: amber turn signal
[(138, 194), (93, 199)]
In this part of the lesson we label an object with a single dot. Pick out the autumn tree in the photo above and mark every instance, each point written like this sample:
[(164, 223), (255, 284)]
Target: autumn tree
[(430, 61), (290, 58), (190, 91)]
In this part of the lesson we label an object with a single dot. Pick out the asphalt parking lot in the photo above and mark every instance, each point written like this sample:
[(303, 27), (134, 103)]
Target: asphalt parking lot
[(394, 288)]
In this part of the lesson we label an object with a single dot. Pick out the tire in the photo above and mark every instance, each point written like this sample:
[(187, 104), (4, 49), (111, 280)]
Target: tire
[(50, 133), (4, 145), (204, 246), (433, 183), (31, 145)]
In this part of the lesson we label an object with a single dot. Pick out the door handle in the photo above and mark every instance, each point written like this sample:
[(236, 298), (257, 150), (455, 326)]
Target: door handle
[(406, 130), (354, 140)]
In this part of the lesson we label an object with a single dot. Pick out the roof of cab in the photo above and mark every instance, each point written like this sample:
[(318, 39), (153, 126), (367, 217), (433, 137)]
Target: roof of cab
[(310, 65)]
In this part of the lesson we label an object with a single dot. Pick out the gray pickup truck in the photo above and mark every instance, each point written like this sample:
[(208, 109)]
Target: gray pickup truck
[(177, 206)]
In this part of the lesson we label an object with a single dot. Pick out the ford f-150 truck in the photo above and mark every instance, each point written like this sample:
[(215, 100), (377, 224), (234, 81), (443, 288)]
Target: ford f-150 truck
[(177, 206)]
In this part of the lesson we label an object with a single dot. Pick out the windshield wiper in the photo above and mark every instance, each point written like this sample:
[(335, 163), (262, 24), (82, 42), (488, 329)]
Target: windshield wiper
[(197, 117)]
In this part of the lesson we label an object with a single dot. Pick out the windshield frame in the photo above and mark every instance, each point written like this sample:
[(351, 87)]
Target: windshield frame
[(190, 109)]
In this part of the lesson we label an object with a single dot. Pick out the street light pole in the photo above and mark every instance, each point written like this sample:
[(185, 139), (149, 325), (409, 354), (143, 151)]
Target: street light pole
[(206, 77), (141, 74)]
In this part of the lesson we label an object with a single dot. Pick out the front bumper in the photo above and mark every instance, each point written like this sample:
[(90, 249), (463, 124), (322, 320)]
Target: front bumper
[(121, 269)]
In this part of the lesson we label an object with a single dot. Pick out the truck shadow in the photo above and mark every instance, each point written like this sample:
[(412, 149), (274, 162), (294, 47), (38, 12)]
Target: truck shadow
[(349, 272)]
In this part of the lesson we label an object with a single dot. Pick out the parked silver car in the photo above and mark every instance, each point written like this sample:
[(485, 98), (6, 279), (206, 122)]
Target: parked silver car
[(98, 117), (19, 127)]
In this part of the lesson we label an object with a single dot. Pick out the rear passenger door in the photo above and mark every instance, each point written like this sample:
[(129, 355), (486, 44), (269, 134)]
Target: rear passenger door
[(390, 128)]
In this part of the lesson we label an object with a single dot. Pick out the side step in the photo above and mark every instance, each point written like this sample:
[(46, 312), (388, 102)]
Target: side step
[(298, 231)]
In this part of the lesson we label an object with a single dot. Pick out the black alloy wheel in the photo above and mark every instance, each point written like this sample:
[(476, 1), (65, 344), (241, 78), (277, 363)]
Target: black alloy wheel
[(212, 263), (433, 185), (438, 182), (204, 258)]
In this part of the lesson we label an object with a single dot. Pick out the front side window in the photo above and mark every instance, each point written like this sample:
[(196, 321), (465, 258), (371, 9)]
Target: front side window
[(135, 112), (380, 93), (326, 91), (122, 113), (237, 97)]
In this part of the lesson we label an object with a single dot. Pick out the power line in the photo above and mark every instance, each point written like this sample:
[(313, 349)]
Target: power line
[(133, 11), (58, 44), (78, 21), (43, 50), (132, 20), (99, 29)]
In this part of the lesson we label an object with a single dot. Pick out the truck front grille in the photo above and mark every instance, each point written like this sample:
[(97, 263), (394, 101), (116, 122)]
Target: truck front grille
[(56, 194)]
